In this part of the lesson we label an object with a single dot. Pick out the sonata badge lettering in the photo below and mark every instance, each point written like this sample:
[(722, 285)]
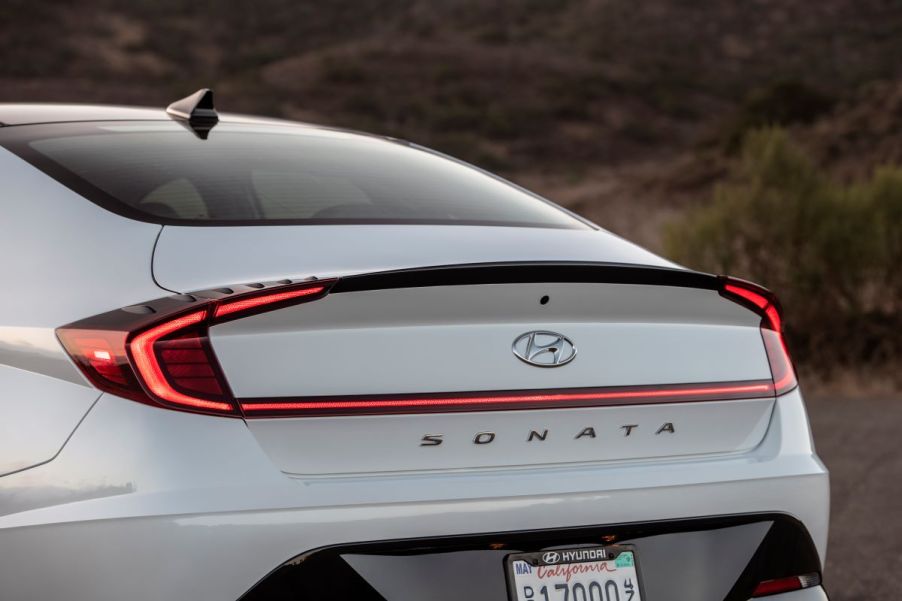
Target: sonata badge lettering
[(542, 434)]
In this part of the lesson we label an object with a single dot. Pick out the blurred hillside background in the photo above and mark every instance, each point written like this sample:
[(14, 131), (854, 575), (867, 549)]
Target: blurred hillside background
[(761, 137)]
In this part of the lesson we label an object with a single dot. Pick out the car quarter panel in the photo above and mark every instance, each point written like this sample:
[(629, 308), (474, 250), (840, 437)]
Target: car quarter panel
[(39, 413), (63, 259), (143, 482), (66, 258)]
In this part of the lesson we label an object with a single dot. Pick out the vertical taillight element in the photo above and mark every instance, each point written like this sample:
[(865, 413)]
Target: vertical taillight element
[(159, 352), (176, 366), (763, 302)]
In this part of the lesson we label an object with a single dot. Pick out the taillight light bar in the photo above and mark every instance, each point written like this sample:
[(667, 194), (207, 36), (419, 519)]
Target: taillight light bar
[(159, 353), (763, 302), (501, 400)]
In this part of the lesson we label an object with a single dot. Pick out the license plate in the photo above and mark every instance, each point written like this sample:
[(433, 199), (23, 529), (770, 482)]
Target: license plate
[(580, 574)]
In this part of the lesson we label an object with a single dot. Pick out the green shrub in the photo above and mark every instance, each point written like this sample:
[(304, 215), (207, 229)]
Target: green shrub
[(830, 251)]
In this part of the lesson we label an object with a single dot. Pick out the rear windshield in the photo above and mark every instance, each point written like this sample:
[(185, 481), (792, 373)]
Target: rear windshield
[(271, 174)]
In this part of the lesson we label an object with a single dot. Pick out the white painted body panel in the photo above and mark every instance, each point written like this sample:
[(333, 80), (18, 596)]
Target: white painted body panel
[(66, 258), (441, 339), (39, 413), (62, 259), (199, 507), (135, 483), (458, 338), (198, 258), (379, 443)]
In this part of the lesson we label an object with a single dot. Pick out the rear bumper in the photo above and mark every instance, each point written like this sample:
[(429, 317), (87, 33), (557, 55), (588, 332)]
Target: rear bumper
[(706, 559), (149, 504), (812, 594)]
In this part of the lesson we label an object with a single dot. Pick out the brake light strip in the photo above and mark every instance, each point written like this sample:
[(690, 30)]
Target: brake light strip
[(475, 401)]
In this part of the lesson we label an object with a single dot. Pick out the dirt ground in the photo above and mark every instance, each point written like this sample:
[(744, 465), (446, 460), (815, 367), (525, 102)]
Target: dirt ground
[(861, 442)]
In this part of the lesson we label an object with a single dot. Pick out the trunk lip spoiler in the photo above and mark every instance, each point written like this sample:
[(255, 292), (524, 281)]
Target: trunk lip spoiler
[(522, 272)]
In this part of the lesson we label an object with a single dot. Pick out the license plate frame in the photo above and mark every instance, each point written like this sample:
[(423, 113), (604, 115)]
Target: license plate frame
[(538, 559)]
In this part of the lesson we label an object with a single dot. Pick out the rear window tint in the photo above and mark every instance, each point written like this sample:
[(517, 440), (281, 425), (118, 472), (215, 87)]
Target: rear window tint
[(262, 174)]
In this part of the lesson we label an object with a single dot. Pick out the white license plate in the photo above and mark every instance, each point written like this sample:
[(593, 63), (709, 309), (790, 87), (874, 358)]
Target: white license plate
[(580, 574)]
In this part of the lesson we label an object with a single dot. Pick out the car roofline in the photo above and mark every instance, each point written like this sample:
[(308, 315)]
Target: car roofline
[(48, 114), (14, 114)]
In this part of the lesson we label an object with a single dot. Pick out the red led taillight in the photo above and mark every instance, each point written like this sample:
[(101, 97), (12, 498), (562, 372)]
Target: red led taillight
[(244, 306), (501, 400), (786, 585), (763, 302), (160, 353), (187, 382), (101, 356)]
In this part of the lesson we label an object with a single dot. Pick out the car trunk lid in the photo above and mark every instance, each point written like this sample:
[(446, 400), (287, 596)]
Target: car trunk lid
[(665, 367)]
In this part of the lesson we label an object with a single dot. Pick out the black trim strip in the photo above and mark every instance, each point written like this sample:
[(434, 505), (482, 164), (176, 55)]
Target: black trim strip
[(527, 272)]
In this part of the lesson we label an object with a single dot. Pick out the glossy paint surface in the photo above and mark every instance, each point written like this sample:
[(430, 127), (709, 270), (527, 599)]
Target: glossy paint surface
[(39, 414), (441, 339), (158, 480), (197, 258), (102, 493), (63, 258)]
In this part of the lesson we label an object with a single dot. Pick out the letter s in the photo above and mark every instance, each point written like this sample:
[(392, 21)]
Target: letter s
[(431, 440)]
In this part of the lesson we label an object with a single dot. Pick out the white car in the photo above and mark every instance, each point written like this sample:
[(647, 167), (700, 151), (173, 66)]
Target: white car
[(250, 359)]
